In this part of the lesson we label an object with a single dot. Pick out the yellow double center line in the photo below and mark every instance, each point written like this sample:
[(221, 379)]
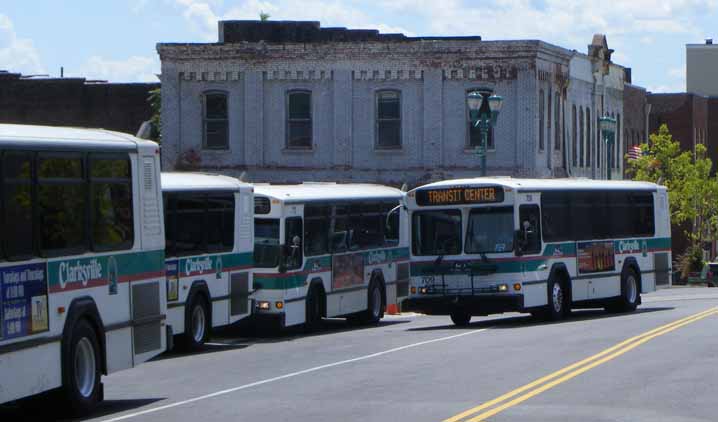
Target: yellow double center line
[(549, 381)]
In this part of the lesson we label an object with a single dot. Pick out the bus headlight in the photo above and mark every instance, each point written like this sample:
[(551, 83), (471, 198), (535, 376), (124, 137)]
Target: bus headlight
[(263, 305), (423, 290), (503, 287)]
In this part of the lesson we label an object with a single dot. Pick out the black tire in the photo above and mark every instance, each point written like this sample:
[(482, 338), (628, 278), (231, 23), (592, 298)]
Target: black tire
[(82, 390), (558, 299), (375, 304), (313, 313), (630, 293), (460, 317), (197, 325)]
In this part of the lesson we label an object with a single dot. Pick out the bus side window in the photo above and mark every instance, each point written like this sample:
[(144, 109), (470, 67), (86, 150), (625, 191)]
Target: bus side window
[(530, 220), (391, 229), (293, 243)]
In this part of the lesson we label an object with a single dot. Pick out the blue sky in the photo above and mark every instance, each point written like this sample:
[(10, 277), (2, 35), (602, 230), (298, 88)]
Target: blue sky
[(115, 39)]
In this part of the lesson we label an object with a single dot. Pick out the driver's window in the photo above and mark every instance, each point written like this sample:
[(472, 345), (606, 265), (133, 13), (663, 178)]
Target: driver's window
[(530, 227), (293, 242)]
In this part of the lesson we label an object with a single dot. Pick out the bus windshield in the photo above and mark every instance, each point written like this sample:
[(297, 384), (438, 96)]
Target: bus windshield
[(436, 232), (266, 242), (490, 230)]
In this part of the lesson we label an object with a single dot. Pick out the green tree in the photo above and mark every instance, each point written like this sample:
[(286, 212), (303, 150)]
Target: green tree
[(263, 16), (155, 100), (691, 189)]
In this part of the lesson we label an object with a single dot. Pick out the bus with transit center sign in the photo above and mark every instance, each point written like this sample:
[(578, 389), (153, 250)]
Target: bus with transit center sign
[(81, 260), (328, 250), (209, 242), (544, 246)]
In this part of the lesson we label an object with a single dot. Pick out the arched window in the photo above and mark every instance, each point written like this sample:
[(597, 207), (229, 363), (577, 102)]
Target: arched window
[(299, 120), (599, 141), (215, 123), (542, 120), (557, 118), (388, 119), (581, 140), (589, 138), (619, 146), (574, 138)]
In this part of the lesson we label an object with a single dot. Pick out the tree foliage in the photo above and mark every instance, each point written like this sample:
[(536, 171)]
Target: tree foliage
[(155, 100), (692, 191)]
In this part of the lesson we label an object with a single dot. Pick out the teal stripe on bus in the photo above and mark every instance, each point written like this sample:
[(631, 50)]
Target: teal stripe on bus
[(74, 273), (314, 265)]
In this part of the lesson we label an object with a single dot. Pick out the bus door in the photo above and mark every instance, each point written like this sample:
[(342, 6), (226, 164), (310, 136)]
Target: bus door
[(534, 269), (148, 299)]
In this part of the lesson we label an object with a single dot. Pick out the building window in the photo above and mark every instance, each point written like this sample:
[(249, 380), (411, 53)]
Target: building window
[(388, 119), (599, 141), (216, 123), (589, 137), (542, 121), (574, 138), (581, 140), (299, 119), (557, 117), (618, 147)]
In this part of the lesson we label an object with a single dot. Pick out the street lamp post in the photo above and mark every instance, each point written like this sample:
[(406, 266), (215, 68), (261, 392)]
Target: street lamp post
[(608, 131), (484, 110)]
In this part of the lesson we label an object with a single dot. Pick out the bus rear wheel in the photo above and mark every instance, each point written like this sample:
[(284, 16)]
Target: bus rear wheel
[(81, 385), (460, 318)]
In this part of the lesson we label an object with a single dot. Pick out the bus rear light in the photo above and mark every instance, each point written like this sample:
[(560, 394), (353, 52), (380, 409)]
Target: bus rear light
[(279, 305), (503, 287), (413, 290), (517, 286)]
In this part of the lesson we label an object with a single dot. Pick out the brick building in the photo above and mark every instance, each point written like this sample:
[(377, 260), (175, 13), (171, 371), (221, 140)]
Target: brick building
[(74, 102), (636, 110), (291, 101)]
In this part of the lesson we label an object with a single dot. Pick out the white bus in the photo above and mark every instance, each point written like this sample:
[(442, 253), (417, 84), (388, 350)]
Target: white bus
[(81, 260), (491, 245), (209, 242), (327, 250)]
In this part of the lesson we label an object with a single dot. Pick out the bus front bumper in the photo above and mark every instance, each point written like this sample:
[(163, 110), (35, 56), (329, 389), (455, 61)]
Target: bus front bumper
[(477, 305)]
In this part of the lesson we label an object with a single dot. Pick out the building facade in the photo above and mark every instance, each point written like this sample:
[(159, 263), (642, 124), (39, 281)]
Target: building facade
[(291, 101), (702, 68), (74, 102)]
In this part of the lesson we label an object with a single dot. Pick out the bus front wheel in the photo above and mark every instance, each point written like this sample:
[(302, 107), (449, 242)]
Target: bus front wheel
[(630, 293), (81, 388), (197, 324), (558, 299)]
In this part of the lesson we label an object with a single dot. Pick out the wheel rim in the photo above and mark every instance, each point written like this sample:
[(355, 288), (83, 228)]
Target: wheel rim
[(85, 367), (198, 323), (557, 295), (631, 289), (375, 303)]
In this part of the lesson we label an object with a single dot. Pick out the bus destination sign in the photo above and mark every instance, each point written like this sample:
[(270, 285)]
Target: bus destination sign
[(460, 195)]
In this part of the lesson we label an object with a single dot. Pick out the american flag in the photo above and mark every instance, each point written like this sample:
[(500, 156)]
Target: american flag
[(634, 152)]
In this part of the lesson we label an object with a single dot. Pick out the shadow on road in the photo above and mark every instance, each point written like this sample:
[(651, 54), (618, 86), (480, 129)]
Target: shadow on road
[(41, 408), (213, 346), (528, 320)]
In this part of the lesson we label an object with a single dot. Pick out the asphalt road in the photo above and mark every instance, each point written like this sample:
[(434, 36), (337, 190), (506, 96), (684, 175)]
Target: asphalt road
[(659, 363)]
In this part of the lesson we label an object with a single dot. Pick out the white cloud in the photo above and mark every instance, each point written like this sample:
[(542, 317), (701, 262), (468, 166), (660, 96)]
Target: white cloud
[(133, 69), (17, 54)]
